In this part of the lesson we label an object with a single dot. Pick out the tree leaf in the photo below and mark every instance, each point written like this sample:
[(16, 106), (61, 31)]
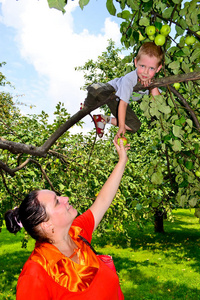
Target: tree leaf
[(110, 7), (125, 14), (57, 4), (157, 178), (167, 12), (176, 145), (177, 131), (144, 21), (83, 3)]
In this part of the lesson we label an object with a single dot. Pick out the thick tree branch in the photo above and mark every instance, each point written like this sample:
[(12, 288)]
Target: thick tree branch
[(42, 150), (169, 80)]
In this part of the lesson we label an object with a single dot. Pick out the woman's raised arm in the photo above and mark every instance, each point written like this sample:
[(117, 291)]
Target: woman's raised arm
[(109, 189)]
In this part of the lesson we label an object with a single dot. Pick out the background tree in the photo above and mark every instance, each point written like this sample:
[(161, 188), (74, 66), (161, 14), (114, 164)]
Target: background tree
[(170, 145)]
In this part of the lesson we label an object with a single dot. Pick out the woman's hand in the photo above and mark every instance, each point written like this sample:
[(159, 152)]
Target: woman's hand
[(122, 150)]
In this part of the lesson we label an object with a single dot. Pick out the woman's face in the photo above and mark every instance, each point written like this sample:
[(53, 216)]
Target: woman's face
[(61, 213)]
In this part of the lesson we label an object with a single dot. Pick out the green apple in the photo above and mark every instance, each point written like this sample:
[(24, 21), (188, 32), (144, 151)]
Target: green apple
[(123, 139), (197, 173), (150, 30), (190, 40), (176, 85), (151, 37), (181, 59), (165, 30), (159, 40)]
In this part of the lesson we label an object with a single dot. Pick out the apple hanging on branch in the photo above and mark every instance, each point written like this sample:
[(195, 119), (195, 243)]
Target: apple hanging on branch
[(190, 40), (150, 30), (159, 40), (165, 30)]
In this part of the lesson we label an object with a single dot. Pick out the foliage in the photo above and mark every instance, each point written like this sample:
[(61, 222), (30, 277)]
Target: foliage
[(166, 148)]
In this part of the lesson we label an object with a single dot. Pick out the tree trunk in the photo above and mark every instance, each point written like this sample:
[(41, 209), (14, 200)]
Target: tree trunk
[(158, 221)]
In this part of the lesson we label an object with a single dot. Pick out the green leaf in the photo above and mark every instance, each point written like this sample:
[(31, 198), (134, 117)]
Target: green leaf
[(193, 202), (138, 206), (57, 4), (177, 131), (158, 25), (125, 14), (157, 178), (167, 12), (189, 165), (83, 3), (176, 1), (144, 22), (61, 186), (174, 65), (110, 7), (133, 4), (176, 145)]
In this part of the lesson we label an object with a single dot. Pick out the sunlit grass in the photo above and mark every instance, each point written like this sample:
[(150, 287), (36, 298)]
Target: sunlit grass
[(154, 266)]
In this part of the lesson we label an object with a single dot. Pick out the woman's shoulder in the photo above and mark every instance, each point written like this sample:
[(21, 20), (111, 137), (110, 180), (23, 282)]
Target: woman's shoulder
[(32, 268)]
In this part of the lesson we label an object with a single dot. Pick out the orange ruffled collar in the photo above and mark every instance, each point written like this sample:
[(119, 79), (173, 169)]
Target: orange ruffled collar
[(75, 277)]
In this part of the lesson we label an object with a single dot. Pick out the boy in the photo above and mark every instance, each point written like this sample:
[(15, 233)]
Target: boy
[(147, 62)]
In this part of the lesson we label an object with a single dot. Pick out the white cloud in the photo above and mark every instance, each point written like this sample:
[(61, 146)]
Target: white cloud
[(47, 40)]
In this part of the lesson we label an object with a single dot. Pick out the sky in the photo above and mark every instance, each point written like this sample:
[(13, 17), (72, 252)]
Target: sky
[(42, 47)]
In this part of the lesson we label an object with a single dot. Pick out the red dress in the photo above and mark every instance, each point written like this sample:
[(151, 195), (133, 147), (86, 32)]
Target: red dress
[(48, 274)]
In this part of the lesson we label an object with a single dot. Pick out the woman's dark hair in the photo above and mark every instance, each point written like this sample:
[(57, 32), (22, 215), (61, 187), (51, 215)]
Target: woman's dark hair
[(30, 214)]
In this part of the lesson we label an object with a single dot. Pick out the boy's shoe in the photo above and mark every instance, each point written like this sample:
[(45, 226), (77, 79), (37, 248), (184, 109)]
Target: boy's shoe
[(100, 123), (82, 105)]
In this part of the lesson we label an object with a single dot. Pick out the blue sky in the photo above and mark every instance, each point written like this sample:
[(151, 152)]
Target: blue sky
[(41, 48)]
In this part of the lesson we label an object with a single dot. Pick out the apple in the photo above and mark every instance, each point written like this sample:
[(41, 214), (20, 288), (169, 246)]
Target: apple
[(190, 40), (165, 30), (176, 85), (150, 30), (159, 40), (151, 37), (123, 139), (181, 59), (197, 173)]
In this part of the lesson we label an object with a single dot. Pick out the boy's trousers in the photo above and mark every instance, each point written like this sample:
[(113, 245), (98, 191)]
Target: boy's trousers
[(99, 91)]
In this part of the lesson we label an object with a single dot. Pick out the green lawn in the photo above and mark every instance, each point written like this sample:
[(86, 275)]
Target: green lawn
[(154, 266)]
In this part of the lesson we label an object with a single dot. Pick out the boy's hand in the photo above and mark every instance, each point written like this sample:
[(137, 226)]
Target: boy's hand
[(121, 132), (146, 82)]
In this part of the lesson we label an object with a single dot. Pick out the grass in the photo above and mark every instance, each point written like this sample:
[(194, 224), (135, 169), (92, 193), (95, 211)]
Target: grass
[(154, 266)]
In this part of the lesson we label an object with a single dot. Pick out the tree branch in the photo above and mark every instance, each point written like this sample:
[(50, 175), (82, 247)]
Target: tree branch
[(169, 80), (42, 150)]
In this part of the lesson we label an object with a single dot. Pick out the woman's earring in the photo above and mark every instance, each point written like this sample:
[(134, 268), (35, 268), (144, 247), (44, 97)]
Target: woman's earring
[(52, 230)]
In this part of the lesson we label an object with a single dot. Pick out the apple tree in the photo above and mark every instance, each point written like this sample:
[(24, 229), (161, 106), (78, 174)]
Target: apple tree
[(171, 121), (157, 162)]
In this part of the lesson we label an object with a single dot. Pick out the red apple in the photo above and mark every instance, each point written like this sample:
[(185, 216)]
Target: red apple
[(123, 139)]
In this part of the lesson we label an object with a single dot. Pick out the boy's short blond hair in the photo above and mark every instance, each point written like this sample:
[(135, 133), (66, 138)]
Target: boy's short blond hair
[(151, 49)]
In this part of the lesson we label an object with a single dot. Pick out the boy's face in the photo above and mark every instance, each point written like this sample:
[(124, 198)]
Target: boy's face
[(147, 67)]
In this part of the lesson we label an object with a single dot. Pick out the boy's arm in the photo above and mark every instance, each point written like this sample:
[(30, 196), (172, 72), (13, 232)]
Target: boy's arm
[(154, 92), (121, 119)]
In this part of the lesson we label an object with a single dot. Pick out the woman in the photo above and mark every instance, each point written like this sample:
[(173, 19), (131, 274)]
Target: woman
[(62, 265)]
